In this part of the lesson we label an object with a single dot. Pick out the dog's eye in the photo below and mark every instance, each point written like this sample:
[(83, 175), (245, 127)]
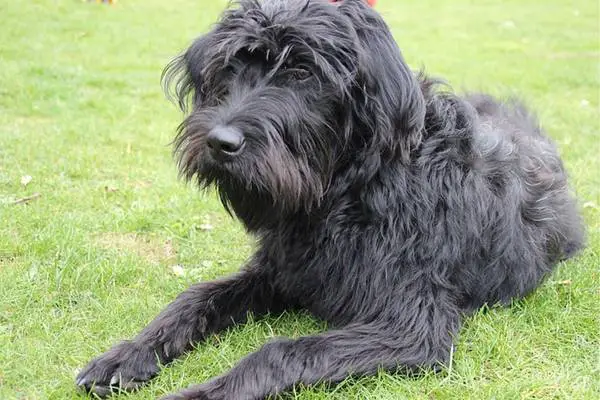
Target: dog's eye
[(299, 74)]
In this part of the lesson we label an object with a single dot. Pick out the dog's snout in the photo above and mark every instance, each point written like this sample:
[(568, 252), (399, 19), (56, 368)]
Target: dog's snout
[(225, 140)]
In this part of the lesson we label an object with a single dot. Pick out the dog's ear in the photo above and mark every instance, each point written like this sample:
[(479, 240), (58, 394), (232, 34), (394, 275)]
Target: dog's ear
[(198, 75), (393, 103), (182, 79)]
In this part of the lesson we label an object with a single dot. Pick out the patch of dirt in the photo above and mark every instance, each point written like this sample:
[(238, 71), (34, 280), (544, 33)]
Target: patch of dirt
[(6, 259), (152, 249)]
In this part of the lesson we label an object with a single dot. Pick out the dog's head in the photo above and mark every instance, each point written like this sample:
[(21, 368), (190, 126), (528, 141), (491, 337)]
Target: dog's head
[(285, 95)]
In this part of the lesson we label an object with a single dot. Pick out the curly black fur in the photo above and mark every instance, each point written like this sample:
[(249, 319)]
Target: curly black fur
[(381, 204)]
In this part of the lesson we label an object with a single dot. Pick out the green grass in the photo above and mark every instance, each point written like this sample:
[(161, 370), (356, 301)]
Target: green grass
[(90, 261)]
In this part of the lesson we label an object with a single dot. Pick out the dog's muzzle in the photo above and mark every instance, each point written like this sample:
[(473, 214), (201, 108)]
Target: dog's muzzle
[(225, 141)]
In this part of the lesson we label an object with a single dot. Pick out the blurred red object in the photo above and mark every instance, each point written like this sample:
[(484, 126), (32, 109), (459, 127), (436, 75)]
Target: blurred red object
[(369, 2)]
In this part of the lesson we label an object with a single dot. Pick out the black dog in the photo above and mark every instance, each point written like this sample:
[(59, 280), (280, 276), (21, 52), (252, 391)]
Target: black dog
[(381, 204)]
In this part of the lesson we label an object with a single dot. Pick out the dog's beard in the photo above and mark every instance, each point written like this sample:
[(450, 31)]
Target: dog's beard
[(257, 196), (282, 170)]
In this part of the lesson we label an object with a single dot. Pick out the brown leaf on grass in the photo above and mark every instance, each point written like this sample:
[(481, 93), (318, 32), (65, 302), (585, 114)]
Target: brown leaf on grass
[(25, 200), (110, 189)]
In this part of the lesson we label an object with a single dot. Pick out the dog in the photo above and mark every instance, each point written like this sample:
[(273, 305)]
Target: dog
[(382, 202)]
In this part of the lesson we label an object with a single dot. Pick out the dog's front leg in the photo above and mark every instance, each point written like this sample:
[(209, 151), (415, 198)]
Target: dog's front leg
[(203, 309), (422, 338)]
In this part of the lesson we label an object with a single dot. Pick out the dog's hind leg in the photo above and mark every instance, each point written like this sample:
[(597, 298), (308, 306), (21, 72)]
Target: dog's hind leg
[(421, 337), (203, 309)]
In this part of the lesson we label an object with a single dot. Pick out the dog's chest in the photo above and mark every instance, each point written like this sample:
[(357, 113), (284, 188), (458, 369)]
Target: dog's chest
[(336, 277)]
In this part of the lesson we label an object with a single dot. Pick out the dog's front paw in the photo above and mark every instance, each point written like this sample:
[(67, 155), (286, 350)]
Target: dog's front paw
[(124, 367)]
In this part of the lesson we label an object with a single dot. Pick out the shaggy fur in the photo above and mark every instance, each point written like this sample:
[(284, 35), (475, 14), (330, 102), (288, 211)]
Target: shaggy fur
[(381, 204)]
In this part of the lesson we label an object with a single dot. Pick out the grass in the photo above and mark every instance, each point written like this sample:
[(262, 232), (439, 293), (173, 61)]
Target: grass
[(95, 256)]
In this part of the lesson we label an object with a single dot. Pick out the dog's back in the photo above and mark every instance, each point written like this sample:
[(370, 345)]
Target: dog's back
[(542, 170), (525, 173)]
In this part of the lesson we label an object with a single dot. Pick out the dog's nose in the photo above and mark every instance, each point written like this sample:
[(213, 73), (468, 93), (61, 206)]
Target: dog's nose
[(225, 140)]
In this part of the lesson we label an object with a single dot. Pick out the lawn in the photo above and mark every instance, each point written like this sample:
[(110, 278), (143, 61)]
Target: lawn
[(107, 235)]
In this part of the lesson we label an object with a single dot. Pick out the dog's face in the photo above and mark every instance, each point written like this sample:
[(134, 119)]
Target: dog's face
[(281, 93)]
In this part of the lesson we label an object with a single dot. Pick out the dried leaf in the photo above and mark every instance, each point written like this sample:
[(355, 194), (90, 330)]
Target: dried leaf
[(26, 179), (27, 199), (177, 270)]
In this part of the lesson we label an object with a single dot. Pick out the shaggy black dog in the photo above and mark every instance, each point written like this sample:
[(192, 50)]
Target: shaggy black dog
[(381, 204)]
